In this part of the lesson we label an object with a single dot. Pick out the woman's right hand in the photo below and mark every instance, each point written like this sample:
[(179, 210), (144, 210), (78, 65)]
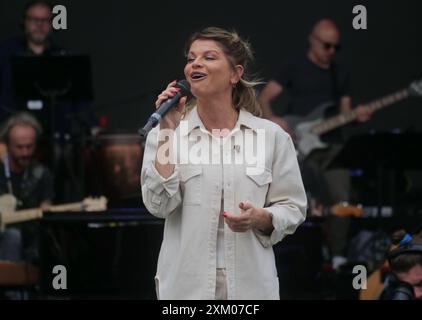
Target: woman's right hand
[(172, 119)]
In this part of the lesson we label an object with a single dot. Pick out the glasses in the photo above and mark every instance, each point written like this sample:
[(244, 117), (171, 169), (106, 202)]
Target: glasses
[(328, 45), (36, 20)]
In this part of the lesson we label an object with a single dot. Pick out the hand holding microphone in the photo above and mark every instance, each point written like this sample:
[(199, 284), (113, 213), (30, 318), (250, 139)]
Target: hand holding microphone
[(170, 106)]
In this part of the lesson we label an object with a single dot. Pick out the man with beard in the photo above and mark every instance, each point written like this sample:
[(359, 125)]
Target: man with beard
[(36, 41), (28, 181)]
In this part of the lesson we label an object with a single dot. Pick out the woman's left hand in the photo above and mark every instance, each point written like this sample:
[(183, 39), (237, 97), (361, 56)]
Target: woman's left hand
[(250, 217)]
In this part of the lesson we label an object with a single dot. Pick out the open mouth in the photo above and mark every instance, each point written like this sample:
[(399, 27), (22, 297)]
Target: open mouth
[(198, 75)]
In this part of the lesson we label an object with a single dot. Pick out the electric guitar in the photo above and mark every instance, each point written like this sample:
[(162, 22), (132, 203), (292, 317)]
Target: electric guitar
[(346, 210), (307, 130), (340, 210), (8, 215)]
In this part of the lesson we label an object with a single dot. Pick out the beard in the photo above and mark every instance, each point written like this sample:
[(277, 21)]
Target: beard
[(23, 161), (37, 38)]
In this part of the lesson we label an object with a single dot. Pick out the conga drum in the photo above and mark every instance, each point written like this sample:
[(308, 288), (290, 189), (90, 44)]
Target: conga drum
[(114, 168)]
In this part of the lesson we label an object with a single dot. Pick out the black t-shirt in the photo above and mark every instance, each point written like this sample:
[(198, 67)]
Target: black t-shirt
[(31, 187), (308, 86)]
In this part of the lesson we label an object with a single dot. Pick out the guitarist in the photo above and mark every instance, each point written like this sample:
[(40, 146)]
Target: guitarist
[(28, 181), (311, 80)]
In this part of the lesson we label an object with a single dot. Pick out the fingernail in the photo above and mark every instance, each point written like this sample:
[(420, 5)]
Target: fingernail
[(225, 214)]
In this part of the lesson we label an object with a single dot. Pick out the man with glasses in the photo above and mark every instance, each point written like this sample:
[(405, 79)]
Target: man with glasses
[(310, 81), (35, 41)]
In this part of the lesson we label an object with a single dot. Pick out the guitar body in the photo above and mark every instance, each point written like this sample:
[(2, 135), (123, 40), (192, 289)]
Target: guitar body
[(306, 140), (308, 130), (8, 203)]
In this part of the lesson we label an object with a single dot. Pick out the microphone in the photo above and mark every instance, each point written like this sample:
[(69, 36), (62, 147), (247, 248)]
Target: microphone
[(165, 106)]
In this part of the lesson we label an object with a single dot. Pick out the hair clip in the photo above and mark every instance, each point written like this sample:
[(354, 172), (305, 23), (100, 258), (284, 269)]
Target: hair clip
[(405, 240)]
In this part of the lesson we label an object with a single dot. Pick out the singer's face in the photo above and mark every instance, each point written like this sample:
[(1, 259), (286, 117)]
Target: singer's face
[(208, 70)]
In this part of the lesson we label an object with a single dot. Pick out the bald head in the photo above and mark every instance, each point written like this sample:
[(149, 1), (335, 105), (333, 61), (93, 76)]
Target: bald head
[(324, 40), (324, 27)]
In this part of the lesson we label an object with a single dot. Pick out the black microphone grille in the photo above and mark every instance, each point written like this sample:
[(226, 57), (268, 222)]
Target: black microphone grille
[(184, 85)]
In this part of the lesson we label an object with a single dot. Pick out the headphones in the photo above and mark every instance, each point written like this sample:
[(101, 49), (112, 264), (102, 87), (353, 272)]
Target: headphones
[(406, 248), (402, 290), (399, 290)]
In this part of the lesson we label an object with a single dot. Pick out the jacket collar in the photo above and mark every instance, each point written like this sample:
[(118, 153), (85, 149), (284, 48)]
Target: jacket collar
[(245, 119)]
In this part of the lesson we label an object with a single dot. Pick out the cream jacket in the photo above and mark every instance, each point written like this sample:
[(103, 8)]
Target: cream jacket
[(190, 199)]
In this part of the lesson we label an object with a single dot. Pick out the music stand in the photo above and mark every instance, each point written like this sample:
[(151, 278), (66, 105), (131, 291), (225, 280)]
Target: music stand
[(381, 152), (52, 79)]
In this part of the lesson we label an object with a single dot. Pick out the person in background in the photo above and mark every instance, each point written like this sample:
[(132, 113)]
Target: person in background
[(36, 40), (310, 80), (30, 182), (405, 262)]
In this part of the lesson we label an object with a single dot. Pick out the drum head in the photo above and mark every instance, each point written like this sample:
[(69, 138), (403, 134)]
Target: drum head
[(115, 166)]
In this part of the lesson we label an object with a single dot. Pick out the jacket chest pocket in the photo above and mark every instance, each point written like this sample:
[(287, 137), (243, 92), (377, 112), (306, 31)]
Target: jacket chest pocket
[(258, 182), (191, 184)]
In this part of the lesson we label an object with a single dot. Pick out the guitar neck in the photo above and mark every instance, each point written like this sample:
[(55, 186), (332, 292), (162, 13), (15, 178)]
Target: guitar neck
[(350, 116), (32, 214), (67, 207)]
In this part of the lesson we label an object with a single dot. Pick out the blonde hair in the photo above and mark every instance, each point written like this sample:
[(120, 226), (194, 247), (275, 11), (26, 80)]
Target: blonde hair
[(239, 52)]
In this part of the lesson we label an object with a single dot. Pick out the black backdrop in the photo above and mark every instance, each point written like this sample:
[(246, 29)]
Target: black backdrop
[(136, 46)]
